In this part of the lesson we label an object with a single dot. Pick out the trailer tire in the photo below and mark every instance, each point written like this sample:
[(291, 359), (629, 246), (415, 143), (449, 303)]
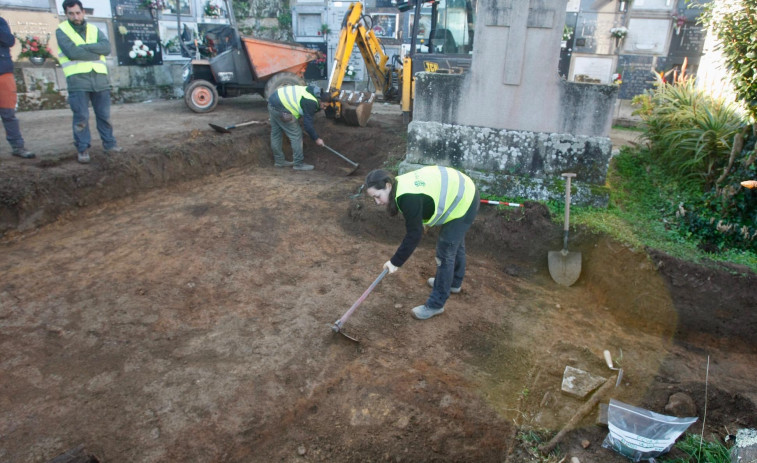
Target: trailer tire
[(280, 79), (201, 96)]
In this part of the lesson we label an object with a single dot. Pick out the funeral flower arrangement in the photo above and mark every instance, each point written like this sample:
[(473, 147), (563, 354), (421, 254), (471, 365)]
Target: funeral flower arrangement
[(619, 32), (141, 53), (212, 10), (567, 31), (154, 4), (680, 20), (34, 47)]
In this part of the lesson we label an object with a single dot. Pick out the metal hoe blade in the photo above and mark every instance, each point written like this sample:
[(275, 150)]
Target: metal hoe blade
[(337, 329)]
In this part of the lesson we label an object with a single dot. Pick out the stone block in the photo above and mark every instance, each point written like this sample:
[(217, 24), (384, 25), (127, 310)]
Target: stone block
[(579, 383), (602, 415), (745, 448)]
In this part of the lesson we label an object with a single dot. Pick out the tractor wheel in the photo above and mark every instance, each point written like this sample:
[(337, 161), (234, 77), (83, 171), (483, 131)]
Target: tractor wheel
[(201, 96), (280, 79)]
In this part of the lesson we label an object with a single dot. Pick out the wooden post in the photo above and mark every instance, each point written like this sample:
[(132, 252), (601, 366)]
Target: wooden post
[(579, 415)]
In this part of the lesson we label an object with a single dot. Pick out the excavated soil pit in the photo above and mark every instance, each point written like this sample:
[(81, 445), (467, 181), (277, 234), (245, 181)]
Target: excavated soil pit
[(175, 304)]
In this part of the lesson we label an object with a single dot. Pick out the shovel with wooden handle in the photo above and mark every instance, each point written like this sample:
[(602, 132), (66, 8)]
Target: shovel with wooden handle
[(565, 266), (229, 128)]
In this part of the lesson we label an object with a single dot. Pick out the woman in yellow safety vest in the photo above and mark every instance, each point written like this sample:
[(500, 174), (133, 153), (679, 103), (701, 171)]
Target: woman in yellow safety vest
[(430, 196)]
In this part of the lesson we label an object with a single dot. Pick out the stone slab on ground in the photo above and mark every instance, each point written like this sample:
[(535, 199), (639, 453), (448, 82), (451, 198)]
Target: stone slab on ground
[(579, 383), (745, 449)]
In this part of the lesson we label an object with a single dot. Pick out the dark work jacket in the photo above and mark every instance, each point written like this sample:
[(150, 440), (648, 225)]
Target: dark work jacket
[(309, 108), (7, 40), (415, 208)]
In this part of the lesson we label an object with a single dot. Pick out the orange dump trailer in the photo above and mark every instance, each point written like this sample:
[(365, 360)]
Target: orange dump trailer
[(247, 65)]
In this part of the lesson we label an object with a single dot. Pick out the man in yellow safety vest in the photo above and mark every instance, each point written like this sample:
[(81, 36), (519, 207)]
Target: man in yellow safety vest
[(285, 107), (81, 52)]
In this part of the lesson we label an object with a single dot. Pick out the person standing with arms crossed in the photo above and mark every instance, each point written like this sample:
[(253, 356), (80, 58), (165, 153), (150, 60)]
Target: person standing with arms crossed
[(427, 197), (8, 96), (285, 106), (81, 53)]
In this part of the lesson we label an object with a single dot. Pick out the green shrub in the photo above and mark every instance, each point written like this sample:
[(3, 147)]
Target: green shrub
[(285, 19), (700, 149), (725, 217)]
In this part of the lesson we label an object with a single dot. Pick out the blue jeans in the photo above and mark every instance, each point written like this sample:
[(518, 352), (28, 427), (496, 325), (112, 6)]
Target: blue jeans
[(283, 122), (12, 130), (79, 102), (450, 256)]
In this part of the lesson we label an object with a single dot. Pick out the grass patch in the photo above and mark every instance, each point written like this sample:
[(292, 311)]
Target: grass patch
[(642, 212), (698, 451), (627, 128)]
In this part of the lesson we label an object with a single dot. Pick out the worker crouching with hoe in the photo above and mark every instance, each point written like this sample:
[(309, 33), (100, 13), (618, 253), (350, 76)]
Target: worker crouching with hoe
[(285, 106), (430, 196)]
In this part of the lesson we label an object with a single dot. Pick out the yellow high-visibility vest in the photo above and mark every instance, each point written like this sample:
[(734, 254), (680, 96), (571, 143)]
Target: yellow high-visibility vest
[(452, 191), (290, 97), (80, 67)]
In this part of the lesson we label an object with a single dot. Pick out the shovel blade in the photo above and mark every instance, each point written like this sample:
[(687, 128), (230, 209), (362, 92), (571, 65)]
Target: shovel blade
[(218, 128), (564, 267)]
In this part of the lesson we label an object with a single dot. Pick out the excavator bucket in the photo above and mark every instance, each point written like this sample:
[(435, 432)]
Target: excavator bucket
[(356, 106)]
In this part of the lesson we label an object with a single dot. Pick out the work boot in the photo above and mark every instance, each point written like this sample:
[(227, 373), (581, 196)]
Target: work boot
[(114, 150), (83, 157), (22, 153), (303, 166), (422, 312), (283, 164), (452, 290)]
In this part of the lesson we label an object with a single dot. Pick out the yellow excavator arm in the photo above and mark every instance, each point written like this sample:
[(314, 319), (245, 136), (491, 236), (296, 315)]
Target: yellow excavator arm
[(355, 107)]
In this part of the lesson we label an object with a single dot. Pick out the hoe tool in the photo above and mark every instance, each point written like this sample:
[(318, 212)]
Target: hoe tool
[(229, 128), (564, 266), (354, 164), (337, 328)]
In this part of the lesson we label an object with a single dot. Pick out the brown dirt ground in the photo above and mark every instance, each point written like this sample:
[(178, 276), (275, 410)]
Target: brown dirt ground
[(175, 303)]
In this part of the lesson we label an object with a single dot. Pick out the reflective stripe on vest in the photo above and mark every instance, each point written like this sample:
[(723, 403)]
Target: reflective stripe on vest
[(451, 190), (290, 96), (80, 67)]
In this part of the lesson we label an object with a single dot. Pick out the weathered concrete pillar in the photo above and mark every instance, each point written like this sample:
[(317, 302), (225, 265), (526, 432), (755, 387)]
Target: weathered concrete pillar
[(511, 121)]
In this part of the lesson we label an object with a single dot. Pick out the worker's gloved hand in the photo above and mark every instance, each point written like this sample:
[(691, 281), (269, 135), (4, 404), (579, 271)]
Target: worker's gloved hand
[(390, 266), (319, 142)]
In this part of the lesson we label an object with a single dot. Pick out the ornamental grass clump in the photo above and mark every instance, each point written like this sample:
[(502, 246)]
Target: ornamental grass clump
[(702, 148)]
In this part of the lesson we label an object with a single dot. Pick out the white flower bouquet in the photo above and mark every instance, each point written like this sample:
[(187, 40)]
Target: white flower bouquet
[(141, 53), (619, 32)]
